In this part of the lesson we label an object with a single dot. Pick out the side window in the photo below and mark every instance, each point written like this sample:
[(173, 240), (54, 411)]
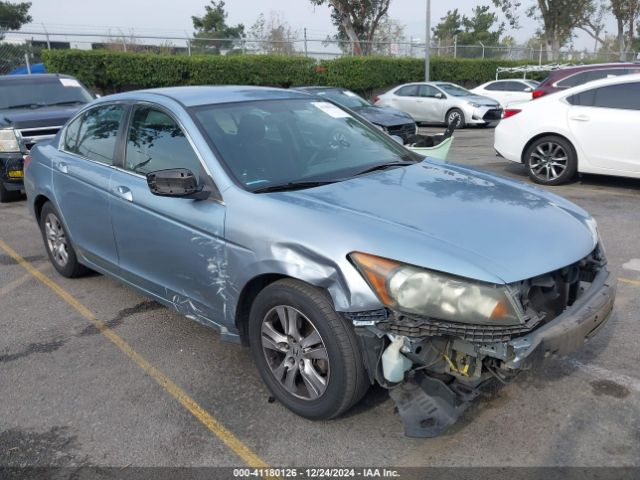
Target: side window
[(583, 99), (515, 87), (590, 76), (428, 91), (156, 142), (625, 96), (495, 86), (408, 91), (94, 135)]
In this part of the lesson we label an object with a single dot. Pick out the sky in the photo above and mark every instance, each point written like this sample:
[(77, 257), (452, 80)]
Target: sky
[(174, 17)]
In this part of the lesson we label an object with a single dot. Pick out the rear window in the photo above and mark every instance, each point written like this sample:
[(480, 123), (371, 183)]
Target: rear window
[(37, 92), (591, 75)]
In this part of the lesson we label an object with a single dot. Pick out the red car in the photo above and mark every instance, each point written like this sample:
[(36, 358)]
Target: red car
[(573, 76)]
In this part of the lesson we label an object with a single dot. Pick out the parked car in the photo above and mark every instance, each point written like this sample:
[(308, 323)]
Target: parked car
[(592, 128), (507, 91), (391, 120), (574, 76), (32, 109), (340, 257), (441, 102)]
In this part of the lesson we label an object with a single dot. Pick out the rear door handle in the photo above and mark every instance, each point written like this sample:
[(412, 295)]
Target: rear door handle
[(581, 118), (124, 193), (62, 167)]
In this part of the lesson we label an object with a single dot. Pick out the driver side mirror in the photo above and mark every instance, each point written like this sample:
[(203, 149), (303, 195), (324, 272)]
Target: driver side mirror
[(439, 96), (177, 183), (528, 89)]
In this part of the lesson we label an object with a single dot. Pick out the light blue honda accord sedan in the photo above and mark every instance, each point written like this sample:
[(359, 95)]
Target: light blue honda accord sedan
[(342, 259)]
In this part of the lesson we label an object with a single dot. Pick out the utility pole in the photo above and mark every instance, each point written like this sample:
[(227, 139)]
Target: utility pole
[(306, 53), (427, 43)]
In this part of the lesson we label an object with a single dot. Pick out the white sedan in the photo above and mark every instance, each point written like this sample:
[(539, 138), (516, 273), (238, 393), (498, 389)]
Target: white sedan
[(592, 128), (507, 91)]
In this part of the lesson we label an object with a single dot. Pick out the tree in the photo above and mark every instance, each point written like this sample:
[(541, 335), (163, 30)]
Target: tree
[(13, 16), (357, 21), (478, 28), (389, 31), (273, 35), (558, 18), (627, 13), (213, 25), (449, 27)]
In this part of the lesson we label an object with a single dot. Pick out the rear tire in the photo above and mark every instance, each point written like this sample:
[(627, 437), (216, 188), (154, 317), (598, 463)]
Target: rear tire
[(551, 160), (7, 195), (314, 367), (455, 115), (57, 244)]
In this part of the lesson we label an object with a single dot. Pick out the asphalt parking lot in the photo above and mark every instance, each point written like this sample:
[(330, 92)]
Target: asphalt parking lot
[(93, 374)]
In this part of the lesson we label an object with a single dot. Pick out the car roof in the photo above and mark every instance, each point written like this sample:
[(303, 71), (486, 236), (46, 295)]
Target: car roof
[(35, 76), (206, 95), (318, 87)]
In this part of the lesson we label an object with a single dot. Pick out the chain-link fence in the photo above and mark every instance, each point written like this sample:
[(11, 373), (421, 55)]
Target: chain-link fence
[(22, 48)]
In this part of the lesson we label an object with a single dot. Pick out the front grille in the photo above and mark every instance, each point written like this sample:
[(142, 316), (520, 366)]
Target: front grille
[(402, 130), (495, 114), (31, 136)]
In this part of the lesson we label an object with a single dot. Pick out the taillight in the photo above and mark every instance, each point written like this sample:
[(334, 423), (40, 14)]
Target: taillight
[(26, 161), (376, 98), (537, 94), (510, 112)]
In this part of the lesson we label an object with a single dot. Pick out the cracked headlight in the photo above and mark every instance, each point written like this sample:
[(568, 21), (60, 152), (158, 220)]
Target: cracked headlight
[(8, 140), (437, 295)]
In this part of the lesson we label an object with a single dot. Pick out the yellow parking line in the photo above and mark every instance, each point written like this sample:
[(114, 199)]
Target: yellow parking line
[(219, 430), (11, 286), (630, 282)]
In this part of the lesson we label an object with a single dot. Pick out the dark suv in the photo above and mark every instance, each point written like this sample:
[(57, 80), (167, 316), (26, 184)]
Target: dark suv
[(32, 108), (573, 76)]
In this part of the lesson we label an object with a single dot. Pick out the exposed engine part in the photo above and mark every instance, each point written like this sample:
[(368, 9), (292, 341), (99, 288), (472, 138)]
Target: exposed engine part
[(428, 406)]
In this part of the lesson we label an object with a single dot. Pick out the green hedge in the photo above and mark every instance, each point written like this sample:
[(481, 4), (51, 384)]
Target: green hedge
[(116, 71), (370, 73)]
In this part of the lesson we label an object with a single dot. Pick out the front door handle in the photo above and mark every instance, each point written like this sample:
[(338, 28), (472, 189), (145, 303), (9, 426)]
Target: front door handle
[(124, 193), (63, 167), (581, 118)]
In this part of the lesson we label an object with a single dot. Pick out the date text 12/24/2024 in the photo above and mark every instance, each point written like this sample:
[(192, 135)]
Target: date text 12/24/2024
[(304, 473)]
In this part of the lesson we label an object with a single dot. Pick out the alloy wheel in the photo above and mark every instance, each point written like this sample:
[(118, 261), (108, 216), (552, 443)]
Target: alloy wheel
[(455, 119), (295, 352), (548, 161), (56, 240)]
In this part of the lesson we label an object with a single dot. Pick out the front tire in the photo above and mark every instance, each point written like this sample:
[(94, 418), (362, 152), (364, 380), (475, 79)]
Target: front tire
[(306, 353), (456, 116), (57, 243), (551, 160)]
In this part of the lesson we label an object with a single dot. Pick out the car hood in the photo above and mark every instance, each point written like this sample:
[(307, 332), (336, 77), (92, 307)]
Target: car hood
[(481, 100), (454, 219), (384, 116), (37, 117)]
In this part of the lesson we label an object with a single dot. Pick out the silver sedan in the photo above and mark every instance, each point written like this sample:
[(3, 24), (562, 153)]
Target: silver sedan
[(442, 102)]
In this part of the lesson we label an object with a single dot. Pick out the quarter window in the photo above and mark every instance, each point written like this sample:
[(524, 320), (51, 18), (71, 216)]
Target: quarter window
[(156, 142), (94, 134)]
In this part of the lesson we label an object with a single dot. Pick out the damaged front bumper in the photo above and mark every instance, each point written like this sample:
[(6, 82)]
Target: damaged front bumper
[(449, 364)]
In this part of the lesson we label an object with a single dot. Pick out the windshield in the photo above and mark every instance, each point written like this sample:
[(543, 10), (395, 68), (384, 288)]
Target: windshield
[(41, 91), (454, 90), (279, 142), (343, 97)]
